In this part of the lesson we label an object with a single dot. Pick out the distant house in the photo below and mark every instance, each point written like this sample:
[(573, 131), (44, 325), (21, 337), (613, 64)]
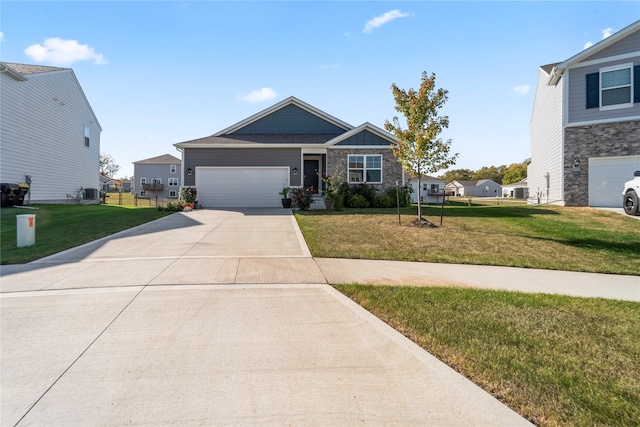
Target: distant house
[(290, 144), (158, 176), (517, 190), (49, 135), (478, 188), (125, 185), (585, 126), (106, 183), (431, 191)]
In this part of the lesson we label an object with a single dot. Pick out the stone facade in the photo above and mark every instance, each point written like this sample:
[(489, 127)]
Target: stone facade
[(600, 140), (391, 168)]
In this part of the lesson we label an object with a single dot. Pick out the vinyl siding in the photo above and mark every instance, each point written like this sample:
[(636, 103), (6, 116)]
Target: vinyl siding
[(290, 120), (577, 92), (291, 157), (44, 139), (162, 171), (546, 141), (365, 138), (629, 44)]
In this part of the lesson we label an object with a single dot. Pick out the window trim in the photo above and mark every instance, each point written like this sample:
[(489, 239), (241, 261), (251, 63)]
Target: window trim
[(87, 136), (143, 181), (173, 169), (609, 69), (364, 169), (173, 193), (172, 182)]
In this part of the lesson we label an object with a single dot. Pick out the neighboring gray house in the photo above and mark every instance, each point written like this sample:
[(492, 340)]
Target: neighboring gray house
[(49, 135), (585, 126), (290, 144), (431, 191), (478, 188), (158, 176), (106, 183)]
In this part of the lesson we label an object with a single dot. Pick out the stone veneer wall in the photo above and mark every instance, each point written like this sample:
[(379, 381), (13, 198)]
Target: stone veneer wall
[(391, 168), (601, 140)]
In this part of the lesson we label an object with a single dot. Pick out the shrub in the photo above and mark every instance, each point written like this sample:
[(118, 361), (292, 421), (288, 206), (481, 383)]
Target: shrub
[(302, 197), (358, 201), (383, 201), (367, 191), (172, 206), (404, 195)]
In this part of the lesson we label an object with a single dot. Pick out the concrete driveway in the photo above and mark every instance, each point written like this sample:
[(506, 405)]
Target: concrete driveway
[(212, 318)]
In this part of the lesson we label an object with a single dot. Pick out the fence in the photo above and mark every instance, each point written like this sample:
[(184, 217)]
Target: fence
[(130, 199)]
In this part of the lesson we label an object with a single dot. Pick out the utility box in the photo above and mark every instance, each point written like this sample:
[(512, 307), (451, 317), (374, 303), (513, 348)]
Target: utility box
[(26, 231)]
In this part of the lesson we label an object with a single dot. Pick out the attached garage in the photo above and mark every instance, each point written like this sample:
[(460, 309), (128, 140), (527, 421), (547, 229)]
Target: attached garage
[(240, 187), (607, 176)]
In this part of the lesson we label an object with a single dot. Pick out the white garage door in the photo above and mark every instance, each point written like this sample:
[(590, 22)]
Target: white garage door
[(239, 187), (607, 176)]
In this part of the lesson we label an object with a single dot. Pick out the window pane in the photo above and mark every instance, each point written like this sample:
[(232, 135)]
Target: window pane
[(616, 78), (355, 176), (374, 176), (356, 162), (374, 162), (616, 96)]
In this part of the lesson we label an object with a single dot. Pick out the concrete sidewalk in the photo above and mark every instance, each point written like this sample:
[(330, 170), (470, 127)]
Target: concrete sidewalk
[(212, 318)]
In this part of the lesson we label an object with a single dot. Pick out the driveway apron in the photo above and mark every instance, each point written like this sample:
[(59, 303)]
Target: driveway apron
[(212, 317)]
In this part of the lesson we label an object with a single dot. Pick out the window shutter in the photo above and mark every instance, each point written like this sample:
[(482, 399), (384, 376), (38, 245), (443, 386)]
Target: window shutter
[(636, 83), (593, 83)]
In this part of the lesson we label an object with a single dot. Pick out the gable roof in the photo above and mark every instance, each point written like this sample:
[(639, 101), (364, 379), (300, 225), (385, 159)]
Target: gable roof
[(471, 183), (284, 103), (556, 73), (165, 159), (365, 126)]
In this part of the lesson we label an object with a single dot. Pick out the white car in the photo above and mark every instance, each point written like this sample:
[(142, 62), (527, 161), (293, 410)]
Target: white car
[(630, 193)]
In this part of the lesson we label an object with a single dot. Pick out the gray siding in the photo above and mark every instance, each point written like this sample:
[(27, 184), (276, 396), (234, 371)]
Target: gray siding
[(161, 171), (629, 44), (365, 138), (290, 120), (578, 112), (42, 124), (194, 157)]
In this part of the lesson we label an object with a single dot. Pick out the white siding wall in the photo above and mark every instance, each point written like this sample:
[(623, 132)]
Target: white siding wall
[(546, 142), (44, 139)]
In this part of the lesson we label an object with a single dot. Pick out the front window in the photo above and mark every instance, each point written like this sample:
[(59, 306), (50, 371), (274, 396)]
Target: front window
[(173, 193), (173, 182), (365, 168), (173, 168), (615, 87), (143, 181)]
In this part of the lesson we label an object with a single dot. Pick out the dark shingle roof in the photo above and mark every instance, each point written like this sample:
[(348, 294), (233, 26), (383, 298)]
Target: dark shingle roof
[(264, 139), (32, 69)]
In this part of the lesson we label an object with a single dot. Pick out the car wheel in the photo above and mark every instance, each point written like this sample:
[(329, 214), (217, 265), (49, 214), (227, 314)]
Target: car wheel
[(630, 203)]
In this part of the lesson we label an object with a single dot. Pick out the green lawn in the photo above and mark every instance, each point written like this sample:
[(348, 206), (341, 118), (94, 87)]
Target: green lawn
[(60, 227), (556, 360), (547, 237)]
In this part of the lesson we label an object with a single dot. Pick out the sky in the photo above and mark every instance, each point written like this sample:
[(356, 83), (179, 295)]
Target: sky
[(161, 72)]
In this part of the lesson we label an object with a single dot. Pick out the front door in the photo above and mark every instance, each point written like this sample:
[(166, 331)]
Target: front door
[(311, 174)]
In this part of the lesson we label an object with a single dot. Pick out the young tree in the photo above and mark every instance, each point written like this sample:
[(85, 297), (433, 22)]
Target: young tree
[(419, 149), (108, 165)]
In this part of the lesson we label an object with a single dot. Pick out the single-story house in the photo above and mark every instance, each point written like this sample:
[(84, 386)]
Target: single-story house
[(431, 188), (477, 188), (290, 144), (106, 183), (518, 190)]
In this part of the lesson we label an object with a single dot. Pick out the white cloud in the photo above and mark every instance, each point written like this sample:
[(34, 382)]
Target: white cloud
[(63, 52), (379, 21), (521, 90), (606, 32), (260, 95), (1, 36)]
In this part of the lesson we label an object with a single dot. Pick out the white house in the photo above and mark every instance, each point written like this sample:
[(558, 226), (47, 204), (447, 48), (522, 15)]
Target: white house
[(477, 188), (518, 190), (431, 188), (585, 126), (49, 135)]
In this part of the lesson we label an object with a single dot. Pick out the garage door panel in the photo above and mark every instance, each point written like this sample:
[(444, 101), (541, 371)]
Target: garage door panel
[(607, 176), (241, 186)]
